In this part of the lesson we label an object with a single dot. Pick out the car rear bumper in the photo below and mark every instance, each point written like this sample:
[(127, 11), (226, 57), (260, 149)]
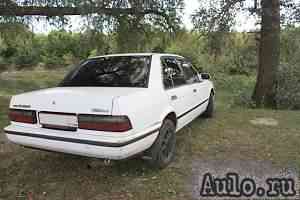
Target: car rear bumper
[(97, 147)]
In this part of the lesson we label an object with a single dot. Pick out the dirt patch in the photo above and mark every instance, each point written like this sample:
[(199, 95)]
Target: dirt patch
[(264, 122), (256, 171)]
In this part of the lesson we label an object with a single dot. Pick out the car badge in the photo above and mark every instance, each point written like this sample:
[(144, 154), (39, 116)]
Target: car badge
[(99, 110), (22, 106)]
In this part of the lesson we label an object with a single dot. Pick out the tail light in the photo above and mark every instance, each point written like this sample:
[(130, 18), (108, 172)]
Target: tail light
[(104, 123), (23, 116)]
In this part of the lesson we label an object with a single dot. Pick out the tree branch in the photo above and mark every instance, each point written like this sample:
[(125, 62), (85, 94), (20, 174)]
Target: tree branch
[(62, 11)]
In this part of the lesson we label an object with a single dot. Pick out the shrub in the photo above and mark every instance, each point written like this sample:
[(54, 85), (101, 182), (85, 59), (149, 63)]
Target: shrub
[(93, 53), (239, 89), (189, 46), (243, 98), (25, 58), (242, 54), (288, 90), (70, 59), (52, 61), (3, 65)]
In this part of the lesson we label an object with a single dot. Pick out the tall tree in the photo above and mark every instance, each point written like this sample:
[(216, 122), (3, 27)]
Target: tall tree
[(214, 20), (269, 54), (220, 14)]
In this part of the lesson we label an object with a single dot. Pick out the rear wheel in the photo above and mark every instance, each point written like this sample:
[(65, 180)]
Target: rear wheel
[(162, 151), (209, 113)]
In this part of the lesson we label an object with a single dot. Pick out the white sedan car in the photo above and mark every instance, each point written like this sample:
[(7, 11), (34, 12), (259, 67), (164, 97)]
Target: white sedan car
[(114, 107)]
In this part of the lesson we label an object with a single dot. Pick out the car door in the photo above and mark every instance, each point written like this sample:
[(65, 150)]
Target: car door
[(176, 88), (198, 87), (195, 87)]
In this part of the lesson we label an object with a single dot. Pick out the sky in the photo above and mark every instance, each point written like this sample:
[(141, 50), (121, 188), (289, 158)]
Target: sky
[(244, 23), (190, 7)]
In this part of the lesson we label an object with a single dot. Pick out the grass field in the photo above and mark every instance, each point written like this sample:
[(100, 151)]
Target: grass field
[(228, 136)]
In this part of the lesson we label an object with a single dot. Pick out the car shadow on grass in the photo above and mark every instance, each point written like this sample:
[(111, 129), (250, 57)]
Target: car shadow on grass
[(61, 174), (50, 175)]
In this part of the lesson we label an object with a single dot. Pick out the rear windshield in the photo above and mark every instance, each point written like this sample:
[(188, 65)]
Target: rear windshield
[(120, 71)]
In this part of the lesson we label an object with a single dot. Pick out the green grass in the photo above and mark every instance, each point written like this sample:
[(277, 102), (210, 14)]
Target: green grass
[(228, 136), (23, 81)]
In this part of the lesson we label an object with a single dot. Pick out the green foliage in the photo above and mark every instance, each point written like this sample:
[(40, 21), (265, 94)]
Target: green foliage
[(130, 34), (288, 76), (215, 15), (288, 90), (52, 61), (57, 49), (189, 45), (242, 53), (17, 46), (60, 43), (232, 68), (239, 87), (290, 43), (3, 47), (93, 53), (57, 45)]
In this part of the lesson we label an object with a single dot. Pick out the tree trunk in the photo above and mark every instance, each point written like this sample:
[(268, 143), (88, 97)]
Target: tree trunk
[(269, 54)]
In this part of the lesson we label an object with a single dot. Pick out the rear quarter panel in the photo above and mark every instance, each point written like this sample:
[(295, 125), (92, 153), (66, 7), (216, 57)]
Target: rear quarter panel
[(149, 107), (143, 109)]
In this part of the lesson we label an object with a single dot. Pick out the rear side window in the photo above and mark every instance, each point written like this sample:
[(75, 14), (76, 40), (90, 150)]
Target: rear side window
[(173, 75), (119, 71)]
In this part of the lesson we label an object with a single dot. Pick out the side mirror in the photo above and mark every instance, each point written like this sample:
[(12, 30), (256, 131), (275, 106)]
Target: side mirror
[(185, 65), (205, 76)]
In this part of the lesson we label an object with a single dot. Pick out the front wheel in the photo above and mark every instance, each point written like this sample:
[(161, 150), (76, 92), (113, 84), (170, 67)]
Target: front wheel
[(162, 151)]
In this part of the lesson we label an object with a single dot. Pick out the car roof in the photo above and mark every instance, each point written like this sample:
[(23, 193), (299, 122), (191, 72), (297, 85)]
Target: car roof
[(136, 54)]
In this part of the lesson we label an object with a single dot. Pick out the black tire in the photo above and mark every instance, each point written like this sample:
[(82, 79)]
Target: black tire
[(162, 152), (209, 113)]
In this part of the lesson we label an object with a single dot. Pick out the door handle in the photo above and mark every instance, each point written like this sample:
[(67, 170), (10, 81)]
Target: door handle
[(174, 97), (195, 90)]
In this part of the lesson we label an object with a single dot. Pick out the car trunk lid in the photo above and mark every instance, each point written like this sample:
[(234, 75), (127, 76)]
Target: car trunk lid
[(76, 100)]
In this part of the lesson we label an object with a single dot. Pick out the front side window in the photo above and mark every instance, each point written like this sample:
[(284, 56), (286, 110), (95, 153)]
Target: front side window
[(119, 71), (191, 75), (173, 75)]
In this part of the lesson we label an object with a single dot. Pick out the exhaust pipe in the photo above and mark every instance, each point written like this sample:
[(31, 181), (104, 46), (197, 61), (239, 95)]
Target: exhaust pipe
[(94, 163), (107, 162)]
